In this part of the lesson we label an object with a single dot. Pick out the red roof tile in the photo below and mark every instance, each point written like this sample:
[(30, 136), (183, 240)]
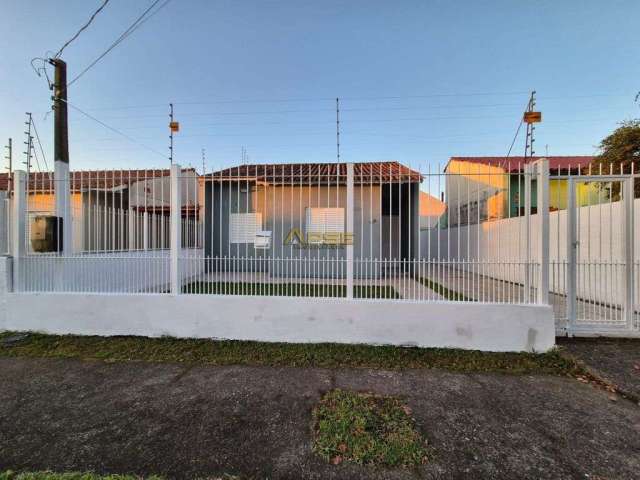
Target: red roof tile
[(310, 173), (90, 179), (514, 164)]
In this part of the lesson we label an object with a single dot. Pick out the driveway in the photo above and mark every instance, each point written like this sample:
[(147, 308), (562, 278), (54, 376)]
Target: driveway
[(616, 360), (255, 422)]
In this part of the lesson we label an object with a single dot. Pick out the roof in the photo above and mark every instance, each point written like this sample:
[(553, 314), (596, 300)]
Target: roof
[(514, 164), (311, 173), (91, 179)]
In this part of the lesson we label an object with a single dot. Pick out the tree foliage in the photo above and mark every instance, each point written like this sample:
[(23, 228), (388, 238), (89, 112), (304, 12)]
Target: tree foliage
[(619, 153), (620, 150)]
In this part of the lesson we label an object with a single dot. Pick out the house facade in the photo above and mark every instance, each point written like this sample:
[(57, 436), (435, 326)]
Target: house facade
[(489, 188), (111, 210), (299, 211)]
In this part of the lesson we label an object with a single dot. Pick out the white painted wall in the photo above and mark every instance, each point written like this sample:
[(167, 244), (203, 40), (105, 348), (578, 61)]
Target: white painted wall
[(501, 242), (489, 327)]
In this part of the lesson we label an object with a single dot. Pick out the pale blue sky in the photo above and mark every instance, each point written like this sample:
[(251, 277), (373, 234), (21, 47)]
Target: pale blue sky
[(419, 81)]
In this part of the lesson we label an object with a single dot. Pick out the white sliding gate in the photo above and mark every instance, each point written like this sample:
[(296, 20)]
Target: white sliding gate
[(598, 277)]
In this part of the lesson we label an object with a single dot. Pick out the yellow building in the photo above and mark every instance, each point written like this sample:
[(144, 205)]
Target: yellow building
[(489, 188)]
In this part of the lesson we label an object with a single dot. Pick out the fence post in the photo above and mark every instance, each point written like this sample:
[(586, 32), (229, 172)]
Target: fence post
[(628, 195), (543, 241), (18, 227), (176, 223), (572, 245), (131, 229), (527, 231), (350, 209), (145, 230)]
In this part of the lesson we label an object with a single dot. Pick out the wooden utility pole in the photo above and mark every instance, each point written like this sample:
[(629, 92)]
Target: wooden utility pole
[(60, 125), (61, 155)]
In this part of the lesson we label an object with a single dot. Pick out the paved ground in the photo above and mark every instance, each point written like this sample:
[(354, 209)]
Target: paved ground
[(485, 288), (615, 360), (186, 422)]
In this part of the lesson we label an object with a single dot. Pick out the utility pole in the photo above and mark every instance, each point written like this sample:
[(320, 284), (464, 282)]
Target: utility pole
[(528, 147), (9, 157), (61, 156), (204, 170), (338, 128), (171, 133), (28, 143)]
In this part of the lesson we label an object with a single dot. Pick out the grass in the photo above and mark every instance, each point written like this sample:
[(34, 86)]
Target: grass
[(366, 429), (289, 289), (10, 475), (443, 291), (326, 355)]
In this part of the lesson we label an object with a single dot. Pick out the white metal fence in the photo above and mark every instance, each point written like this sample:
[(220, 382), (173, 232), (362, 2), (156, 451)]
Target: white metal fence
[(503, 233)]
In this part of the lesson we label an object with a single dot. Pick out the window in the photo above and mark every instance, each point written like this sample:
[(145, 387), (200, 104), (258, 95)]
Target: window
[(325, 220), (244, 226)]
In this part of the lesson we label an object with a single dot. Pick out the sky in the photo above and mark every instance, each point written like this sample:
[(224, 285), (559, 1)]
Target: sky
[(419, 81)]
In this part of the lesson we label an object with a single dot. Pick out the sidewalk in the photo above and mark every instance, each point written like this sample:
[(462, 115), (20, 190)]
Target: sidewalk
[(255, 422), (615, 360)]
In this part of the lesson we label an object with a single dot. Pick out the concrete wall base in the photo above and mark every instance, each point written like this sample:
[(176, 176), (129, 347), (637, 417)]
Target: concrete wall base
[(467, 325)]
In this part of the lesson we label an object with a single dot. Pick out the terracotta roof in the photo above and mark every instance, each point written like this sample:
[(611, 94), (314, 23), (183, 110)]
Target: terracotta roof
[(91, 179), (310, 173), (514, 164)]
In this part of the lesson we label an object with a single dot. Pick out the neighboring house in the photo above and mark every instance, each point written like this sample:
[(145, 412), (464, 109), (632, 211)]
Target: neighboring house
[(490, 188), (112, 209), (301, 208), (431, 209)]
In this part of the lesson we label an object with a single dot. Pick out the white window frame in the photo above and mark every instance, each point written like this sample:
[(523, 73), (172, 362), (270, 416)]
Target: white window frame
[(243, 227), (324, 220)]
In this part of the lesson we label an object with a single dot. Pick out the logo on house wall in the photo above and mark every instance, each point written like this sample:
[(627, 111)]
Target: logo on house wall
[(317, 240)]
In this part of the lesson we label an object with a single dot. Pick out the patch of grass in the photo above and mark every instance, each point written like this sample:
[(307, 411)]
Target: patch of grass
[(326, 355), (289, 289), (10, 475), (366, 429), (443, 291)]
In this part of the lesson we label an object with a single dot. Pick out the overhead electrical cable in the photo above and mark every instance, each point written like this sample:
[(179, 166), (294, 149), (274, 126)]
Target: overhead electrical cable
[(109, 127), (132, 28), (66, 44), (44, 158)]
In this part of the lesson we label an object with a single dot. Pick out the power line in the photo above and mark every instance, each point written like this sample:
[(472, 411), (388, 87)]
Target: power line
[(326, 99), (44, 158), (323, 110), (515, 137), (109, 127), (133, 27), (81, 29)]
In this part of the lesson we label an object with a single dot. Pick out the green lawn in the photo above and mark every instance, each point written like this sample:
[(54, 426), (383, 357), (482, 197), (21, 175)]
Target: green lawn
[(443, 291), (366, 429), (289, 289), (329, 355)]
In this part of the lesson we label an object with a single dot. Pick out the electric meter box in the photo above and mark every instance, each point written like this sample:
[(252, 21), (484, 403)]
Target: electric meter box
[(46, 233), (262, 240)]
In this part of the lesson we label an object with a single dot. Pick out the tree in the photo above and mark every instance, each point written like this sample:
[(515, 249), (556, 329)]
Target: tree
[(619, 153), (621, 149)]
